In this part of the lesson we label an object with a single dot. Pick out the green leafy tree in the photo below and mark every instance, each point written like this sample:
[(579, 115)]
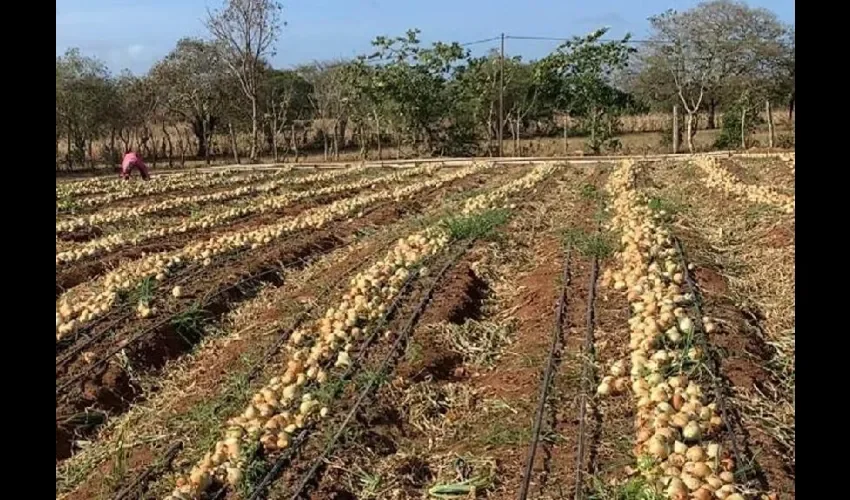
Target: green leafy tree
[(414, 82), (286, 96), (577, 79), (85, 94)]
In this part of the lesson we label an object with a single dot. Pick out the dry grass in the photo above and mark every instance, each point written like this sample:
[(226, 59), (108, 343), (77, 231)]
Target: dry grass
[(479, 342), (753, 246)]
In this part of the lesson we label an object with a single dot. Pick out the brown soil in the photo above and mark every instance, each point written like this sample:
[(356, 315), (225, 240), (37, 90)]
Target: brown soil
[(772, 173), (81, 235), (84, 270), (211, 372), (379, 430), (165, 343), (710, 281), (742, 356), (460, 297), (514, 381), (781, 235)]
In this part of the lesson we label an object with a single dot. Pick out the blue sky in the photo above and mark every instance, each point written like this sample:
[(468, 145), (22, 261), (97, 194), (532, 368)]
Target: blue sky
[(134, 34)]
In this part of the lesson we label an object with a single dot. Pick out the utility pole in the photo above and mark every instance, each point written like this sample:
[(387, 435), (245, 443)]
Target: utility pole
[(501, 94)]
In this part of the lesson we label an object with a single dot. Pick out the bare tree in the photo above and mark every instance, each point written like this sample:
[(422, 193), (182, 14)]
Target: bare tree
[(192, 88), (329, 100), (245, 32), (704, 48)]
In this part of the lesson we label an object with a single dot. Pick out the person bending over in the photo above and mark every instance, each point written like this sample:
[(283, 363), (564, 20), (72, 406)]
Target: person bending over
[(131, 162)]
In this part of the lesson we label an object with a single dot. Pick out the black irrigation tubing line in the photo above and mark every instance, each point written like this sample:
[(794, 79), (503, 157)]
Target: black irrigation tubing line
[(135, 338), (587, 372), (402, 336), (273, 350), (258, 366), (281, 461), (718, 390), (193, 271), (186, 275), (557, 332), (385, 318)]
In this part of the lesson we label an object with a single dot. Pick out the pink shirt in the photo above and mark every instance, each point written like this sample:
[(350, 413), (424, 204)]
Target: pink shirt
[(129, 159)]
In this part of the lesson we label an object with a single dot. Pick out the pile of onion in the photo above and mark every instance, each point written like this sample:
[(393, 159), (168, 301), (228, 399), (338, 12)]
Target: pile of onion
[(719, 178), (285, 404), (84, 303), (677, 426)]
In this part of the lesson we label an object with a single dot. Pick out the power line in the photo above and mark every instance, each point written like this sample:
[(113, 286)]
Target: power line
[(476, 42), (554, 39)]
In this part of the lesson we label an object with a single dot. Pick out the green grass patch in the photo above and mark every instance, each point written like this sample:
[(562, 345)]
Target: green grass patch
[(189, 324), (477, 226), (143, 293), (589, 191), (596, 244), (635, 488), (670, 208)]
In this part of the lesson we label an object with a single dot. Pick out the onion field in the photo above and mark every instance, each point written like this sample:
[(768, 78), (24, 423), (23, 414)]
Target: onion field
[(587, 328)]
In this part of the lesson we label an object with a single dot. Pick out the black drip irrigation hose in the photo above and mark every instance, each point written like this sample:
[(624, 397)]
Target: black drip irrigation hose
[(716, 384), (557, 333), (258, 367), (588, 346), (365, 393), (144, 333), (193, 271)]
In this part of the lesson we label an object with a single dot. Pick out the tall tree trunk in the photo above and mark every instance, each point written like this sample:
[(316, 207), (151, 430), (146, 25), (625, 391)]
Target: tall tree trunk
[(91, 152), (182, 147), (744, 128), (167, 141), (712, 114), (294, 142), (341, 129), (770, 133), (254, 130), (325, 143), (593, 145), (204, 142), (791, 101), (378, 135), (689, 125), (68, 153), (274, 139), (233, 143), (112, 156)]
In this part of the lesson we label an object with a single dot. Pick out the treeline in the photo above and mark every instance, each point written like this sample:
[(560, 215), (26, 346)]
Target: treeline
[(212, 95)]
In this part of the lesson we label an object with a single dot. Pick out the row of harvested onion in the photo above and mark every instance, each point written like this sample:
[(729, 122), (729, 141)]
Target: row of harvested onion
[(287, 403), (82, 304), (105, 184), (677, 426), (141, 209), (168, 185), (719, 178), (222, 217)]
